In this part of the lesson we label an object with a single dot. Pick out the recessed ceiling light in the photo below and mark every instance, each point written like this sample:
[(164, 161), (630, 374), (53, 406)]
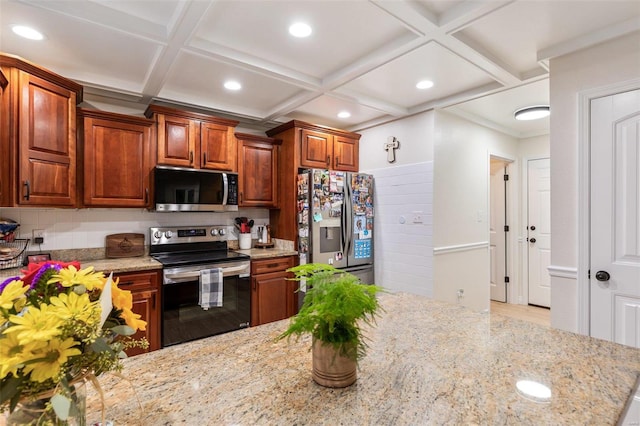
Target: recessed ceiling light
[(300, 29), (344, 114), (232, 85), (532, 112), (424, 84), (27, 32)]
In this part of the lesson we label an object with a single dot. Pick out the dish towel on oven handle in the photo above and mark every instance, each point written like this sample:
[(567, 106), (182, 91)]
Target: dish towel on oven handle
[(211, 284)]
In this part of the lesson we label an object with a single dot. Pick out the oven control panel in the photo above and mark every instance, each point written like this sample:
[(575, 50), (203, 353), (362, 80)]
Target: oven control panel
[(190, 234)]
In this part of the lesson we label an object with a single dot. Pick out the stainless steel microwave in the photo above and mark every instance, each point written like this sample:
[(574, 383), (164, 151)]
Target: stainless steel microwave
[(183, 190)]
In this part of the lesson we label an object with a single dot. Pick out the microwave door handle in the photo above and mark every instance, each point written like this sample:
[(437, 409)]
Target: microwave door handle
[(225, 191)]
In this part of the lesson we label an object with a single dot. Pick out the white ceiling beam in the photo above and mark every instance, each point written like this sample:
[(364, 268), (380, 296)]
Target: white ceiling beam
[(252, 63), (370, 102), (383, 55), (411, 15), (290, 105), (456, 98), (590, 39), (466, 13), (98, 14), (184, 29)]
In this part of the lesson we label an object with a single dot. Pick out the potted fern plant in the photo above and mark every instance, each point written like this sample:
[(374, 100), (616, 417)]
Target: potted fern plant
[(335, 305)]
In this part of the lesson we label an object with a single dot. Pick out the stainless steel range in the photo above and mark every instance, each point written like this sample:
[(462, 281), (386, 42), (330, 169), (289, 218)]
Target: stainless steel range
[(190, 255)]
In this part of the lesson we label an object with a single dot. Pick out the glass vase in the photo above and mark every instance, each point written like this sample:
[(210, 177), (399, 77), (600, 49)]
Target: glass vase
[(40, 412)]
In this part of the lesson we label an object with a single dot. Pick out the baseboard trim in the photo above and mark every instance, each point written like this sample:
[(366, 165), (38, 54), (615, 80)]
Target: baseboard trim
[(460, 247)]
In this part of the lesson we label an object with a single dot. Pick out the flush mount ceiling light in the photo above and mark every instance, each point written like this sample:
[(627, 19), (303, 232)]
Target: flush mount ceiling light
[(300, 30), (532, 112), (344, 114), (424, 84), (232, 85), (27, 32)]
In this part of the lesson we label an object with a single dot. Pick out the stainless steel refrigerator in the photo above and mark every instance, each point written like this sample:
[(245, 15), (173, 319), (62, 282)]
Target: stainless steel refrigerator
[(335, 220)]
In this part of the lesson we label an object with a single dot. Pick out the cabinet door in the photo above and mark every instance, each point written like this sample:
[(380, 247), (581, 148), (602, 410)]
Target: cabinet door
[(177, 141), (270, 293), (316, 149), (146, 302), (47, 143), (6, 166), (117, 163), (345, 154), (257, 167), (218, 147)]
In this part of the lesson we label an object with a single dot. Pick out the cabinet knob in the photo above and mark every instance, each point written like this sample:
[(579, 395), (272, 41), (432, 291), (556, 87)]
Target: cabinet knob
[(328, 160), (337, 162), (204, 158), (191, 157)]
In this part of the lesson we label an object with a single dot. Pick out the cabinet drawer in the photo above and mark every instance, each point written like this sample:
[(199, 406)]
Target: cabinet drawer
[(271, 265), (138, 281)]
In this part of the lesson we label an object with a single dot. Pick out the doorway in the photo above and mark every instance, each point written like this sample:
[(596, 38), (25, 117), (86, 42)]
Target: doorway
[(498, 229), (538, 228)]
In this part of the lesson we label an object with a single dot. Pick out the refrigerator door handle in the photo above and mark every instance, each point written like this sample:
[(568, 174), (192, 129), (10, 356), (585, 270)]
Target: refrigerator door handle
[(343, 226), (348, 210)]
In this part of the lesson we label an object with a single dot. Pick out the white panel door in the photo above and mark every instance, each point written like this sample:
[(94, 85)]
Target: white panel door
[(497, 240), (539, 231), (615, 218)]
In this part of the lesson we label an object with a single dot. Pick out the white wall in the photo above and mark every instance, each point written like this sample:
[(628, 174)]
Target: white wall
[(606, 64), (403, 251), (87, 228), (461, 206)]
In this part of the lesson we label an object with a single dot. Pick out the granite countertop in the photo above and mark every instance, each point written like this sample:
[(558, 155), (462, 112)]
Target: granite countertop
[(265, 253), (429, 362)]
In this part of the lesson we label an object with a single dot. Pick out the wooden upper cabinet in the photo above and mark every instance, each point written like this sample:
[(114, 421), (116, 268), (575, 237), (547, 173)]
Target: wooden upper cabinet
[(42, 135), (176, 141), (217, 146), (189, 139), (345, 154), (316, 149), (118, 159), (306, 145), (257, 170)]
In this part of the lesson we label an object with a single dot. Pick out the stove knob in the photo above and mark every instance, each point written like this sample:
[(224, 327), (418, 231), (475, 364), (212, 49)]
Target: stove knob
[(222, 231), (214, 232), (157, 234), (168, 234)]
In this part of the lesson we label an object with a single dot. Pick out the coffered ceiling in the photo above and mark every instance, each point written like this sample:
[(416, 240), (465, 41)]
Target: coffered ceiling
[(486, 58)]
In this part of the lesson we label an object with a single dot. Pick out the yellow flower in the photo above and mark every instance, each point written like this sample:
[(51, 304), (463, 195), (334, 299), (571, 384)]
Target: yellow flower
[(133, 320), (70, 276), (122, 299), (78, 307), (13, 354), (13, 291), (51, 358), (35, 325)]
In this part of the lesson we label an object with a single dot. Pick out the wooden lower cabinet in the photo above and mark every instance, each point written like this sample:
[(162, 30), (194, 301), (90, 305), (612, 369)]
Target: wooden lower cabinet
[(273, 296), (145, 289)]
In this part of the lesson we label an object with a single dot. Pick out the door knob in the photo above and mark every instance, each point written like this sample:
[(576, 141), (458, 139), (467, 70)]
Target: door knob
[(602, 276), (532, 227), (532, 240)]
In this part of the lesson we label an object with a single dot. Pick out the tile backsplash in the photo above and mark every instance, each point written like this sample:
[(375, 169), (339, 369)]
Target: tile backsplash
[(87, 228)]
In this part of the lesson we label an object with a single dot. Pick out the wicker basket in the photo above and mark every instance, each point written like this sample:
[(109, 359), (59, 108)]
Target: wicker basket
[(12, 253)]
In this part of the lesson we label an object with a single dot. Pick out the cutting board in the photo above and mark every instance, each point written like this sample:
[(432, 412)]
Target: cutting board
[(125, 245)]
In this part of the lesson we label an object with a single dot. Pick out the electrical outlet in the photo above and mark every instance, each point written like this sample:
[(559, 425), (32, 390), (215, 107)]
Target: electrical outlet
[(38, 236), (417, 217)]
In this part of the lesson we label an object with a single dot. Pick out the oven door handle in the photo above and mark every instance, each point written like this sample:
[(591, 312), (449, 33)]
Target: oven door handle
[(226, 272)]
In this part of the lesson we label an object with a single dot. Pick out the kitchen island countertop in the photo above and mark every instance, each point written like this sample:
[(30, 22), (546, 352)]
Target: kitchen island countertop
[(429, 362)]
